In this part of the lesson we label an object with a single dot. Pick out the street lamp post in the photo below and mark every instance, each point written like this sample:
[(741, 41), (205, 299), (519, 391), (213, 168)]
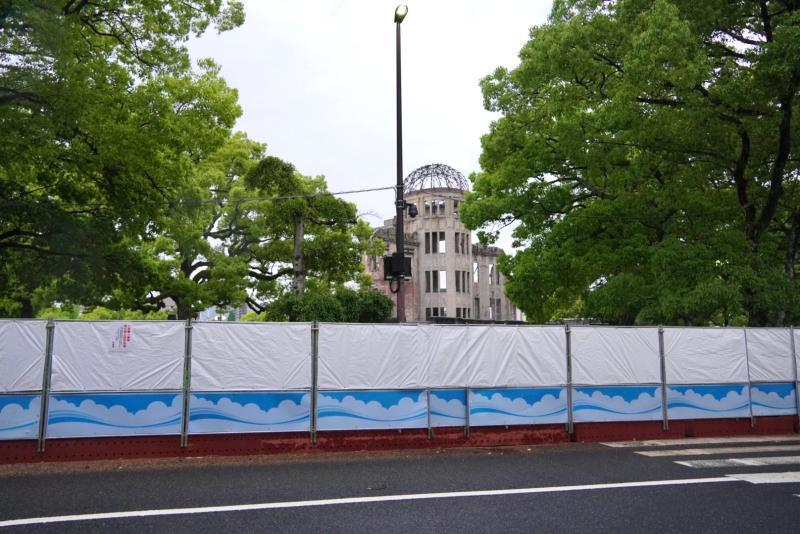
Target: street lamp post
[(398, 265)]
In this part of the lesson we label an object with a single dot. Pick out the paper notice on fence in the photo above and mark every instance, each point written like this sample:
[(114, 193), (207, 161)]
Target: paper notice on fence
[(123, 338)]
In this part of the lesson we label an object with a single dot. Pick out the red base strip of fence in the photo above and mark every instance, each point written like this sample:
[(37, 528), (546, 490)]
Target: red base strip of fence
[(83, 449), (638, 430)]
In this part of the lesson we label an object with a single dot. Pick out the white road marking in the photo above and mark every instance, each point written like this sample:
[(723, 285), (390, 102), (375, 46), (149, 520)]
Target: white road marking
[(356, 500), (702, 441), (719, 450), (768, 478), (741, 462)]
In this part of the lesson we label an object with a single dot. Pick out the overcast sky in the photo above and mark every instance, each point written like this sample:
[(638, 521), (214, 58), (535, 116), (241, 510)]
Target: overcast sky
[(316, 82)]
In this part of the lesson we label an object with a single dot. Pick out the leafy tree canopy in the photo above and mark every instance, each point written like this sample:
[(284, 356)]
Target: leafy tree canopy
[(648, 150), (102, 118), (337, 303)]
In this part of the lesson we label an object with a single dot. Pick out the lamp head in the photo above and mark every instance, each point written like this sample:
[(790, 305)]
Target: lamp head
[(400, 13)]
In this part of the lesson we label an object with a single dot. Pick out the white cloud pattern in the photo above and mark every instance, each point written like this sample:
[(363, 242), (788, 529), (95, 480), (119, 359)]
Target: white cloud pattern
[(497, 409), (350, 413), (88, 418), (771, 403), (18, 421), (225, 415), (691, 404), (600, 407)]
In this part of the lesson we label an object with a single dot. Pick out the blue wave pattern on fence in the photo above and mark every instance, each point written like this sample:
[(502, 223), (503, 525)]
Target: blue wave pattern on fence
[(517, 406), (74, 415), (374, 410), (773, 399), (617, 403), (19, 416), (708, 401), (250, 411), (448, 407)]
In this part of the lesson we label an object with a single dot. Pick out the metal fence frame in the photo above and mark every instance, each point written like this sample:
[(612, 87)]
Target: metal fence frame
[(186, 390)]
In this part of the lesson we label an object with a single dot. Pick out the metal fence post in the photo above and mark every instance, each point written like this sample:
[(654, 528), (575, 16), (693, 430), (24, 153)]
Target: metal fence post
[(570, 415), (749, 382), (663, 364), (466, 420), (428, 397), (187, 382), (314, 381), (44, 401), (466, 387), (796, 377)]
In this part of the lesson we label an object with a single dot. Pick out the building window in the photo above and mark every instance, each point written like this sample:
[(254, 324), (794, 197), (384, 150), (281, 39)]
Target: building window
[(427, 281), (428, 208), (442, 243), (437, 208), (463, 241), (443, 312), (456, 249), (442, 281), (475, 273), (491, 273), (427, 242), (455, 208), (436, 312), (427, 313)]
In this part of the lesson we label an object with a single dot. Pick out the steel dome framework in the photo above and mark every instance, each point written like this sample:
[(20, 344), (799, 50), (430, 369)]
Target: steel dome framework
[(435, 176)]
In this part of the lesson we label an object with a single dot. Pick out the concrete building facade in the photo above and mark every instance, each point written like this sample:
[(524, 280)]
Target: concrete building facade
[(451, 276)]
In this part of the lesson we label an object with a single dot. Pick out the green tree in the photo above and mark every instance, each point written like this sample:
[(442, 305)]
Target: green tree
[(331, 304), (247, 227), (189, 251), (102, 118), (648, 152), (294, 230)]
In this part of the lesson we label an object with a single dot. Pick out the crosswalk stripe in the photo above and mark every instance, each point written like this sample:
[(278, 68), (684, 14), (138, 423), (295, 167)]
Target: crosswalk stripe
[(719, 450), (702, 441), (741, 462), (768, 478)]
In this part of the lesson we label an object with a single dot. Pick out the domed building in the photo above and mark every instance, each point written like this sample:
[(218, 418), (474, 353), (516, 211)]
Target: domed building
[(451, 276)]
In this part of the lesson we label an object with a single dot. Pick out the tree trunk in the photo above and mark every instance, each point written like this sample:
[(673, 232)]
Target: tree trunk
[(184, 311), (792, 239), (27, 308), (298, 266)]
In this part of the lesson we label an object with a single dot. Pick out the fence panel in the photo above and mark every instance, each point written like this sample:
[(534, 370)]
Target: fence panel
[(118, 356), (251, 356), (617, 372), (615, 356), (444, 359), (521, 356), (707, 373), (369, 356), (116, 378), (246, 377), (518, 375), (21, 355), (770, 354)]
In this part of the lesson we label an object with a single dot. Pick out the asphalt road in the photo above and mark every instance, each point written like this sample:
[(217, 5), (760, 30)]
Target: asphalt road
[(419, 491)]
